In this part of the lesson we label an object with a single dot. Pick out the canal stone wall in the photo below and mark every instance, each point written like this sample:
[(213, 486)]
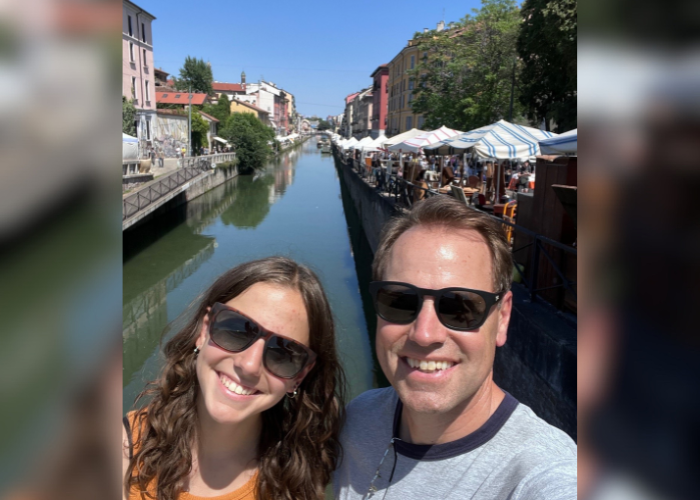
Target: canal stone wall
[(537, 365)]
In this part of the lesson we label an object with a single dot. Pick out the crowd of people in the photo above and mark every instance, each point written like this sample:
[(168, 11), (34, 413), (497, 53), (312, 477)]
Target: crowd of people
[(431, 171)]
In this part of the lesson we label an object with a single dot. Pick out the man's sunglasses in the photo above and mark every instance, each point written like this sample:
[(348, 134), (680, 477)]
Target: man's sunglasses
[(457, 308), (233, 331)]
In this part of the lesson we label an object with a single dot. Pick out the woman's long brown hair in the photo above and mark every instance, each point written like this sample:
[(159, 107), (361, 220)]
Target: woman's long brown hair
[(299, 446)]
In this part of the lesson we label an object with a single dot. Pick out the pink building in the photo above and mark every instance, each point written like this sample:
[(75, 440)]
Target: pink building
[(380, 104), (138, 72)]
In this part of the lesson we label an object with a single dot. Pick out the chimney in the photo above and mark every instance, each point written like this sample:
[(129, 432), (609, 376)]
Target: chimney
[(425, 30), (441, 25)]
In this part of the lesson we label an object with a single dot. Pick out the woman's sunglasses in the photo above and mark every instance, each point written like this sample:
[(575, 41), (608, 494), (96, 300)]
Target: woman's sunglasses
[(235, 332), (457, 308)]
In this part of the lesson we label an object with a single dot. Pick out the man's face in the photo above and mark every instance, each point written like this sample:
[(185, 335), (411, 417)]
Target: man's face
[(438, 258)]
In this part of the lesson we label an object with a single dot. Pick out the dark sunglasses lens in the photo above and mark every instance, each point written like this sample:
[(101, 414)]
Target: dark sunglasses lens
[(233, 332), (397, 303), (461, 310), (284, 358)]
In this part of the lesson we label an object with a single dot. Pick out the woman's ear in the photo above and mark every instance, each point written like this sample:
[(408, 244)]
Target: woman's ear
[(204, 330)]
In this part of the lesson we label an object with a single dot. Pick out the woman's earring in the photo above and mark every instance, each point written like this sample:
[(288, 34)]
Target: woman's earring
[(196, 350), (293, 395)]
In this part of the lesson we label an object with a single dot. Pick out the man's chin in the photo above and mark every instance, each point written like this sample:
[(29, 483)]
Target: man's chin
[(428, 402)]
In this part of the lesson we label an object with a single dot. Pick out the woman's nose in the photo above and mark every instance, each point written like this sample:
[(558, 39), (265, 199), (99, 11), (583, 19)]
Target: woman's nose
[(250, 361)]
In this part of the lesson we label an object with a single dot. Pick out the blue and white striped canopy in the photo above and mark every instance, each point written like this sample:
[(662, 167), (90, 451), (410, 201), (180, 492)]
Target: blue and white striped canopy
[(564, 144), (501, 140)]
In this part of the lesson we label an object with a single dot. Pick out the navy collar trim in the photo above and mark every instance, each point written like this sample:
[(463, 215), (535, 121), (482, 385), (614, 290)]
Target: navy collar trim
[(453, 449)]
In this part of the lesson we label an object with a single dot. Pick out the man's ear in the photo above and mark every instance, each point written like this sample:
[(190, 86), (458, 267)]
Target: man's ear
[(506, 307)]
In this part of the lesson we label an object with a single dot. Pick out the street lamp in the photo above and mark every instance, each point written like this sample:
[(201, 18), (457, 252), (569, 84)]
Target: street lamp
[(189, 126)]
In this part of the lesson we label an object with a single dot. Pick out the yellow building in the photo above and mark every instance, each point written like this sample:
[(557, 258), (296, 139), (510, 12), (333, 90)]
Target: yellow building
[(244, 107), (400, 116)]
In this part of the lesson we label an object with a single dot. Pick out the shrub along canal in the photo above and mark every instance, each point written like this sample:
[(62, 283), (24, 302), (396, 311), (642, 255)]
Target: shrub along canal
[(293, 208)]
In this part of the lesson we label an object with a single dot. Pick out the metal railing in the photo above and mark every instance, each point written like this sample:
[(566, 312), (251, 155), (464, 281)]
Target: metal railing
[(401, 192), (153, 191)]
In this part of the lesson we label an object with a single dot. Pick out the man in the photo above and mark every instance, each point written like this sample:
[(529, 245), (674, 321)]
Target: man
[(444, 429)]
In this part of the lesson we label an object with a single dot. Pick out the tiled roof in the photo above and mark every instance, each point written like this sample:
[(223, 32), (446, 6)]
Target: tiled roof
[(180, 97), (228, 87), (206, 115), (251, 106)]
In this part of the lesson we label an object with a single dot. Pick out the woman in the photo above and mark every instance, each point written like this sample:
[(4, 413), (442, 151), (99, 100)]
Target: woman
[(250, 400)]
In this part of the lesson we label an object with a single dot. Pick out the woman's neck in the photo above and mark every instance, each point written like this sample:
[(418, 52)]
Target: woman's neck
[(224, 441)]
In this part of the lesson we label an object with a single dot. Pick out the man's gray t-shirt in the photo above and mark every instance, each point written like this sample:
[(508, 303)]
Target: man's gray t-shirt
[(514, 455)]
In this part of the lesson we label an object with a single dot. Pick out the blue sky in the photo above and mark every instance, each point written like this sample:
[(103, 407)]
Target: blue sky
[(320, 51)]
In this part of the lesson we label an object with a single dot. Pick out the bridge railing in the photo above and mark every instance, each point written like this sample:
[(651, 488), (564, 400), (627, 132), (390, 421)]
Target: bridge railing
[(153, 191)]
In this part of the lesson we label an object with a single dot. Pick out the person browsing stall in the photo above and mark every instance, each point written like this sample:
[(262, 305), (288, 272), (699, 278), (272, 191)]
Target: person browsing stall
[(444, 429)]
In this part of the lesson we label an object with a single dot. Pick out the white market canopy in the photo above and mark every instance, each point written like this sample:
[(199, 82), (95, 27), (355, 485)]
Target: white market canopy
[(414, 144), (402, 137), (563, 144), (501, 140), (362, 142), (223, 141), (350, 142), (375, 144), (130, 147)]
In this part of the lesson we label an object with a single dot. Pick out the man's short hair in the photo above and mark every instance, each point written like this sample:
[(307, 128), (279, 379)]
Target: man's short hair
[(445, 212)]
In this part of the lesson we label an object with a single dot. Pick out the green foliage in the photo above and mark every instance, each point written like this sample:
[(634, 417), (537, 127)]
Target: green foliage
[(465, 81), (323, 125), (200, 127), (221, 110), (249, 137), (195, 74), (547, 46), (128, 117), (252, 202)]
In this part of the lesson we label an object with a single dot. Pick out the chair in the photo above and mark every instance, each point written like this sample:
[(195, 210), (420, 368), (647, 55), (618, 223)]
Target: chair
[(473, 181), (509, 216), (459, 194)]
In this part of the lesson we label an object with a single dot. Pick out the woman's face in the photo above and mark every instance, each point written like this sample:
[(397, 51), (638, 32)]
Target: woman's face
[(221, 373)]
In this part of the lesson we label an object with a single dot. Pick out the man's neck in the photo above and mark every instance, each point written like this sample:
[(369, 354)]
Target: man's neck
[(439, 428)]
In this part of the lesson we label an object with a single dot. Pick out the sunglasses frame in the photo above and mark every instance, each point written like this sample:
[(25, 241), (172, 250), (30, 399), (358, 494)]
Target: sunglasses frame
[(490, 299), (263, 333)]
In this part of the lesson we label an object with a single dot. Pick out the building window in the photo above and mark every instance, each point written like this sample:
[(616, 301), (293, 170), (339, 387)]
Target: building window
[(145, 62), (410, 97), (148, 130), (409, 122), (133, 87), (131, 52), (421, 120), (143, 33), (131, 31), (148, 94), (413, 61), (410, 84)]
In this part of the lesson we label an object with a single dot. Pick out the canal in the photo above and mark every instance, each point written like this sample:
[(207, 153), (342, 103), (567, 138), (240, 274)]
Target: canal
[(294, 208)]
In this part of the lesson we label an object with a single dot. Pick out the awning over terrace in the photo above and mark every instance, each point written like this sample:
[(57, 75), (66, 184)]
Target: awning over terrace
[(563, 144), (501, 140), (414, 144)]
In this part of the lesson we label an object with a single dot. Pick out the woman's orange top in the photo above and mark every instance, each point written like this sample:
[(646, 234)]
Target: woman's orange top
[(245, 492)]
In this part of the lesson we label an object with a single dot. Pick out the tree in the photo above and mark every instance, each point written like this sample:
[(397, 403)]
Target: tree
[(250, 138), (128, 117), (547, 46), (464, 80), (200, 127), (323, 125), (195, 74), (221, 110)]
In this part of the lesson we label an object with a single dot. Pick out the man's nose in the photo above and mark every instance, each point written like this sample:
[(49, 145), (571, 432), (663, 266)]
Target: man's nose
[(250, 361), (427, 330)]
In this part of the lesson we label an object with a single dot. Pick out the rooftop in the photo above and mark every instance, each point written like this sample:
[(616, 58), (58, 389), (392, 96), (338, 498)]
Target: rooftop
[(180, 97), (228, 87)]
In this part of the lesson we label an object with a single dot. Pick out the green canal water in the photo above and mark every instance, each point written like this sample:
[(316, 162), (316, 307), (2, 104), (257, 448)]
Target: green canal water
[(294, 208)]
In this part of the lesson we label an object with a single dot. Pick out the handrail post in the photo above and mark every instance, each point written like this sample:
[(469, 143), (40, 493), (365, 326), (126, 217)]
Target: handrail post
[(535, 269)]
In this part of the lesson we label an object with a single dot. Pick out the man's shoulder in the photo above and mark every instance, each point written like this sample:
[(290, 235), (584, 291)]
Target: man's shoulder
[(373, 401), (530, 430)]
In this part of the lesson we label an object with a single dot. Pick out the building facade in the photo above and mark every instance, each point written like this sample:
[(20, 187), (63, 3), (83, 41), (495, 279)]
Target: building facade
[(346, 127), (364, 103), (380, 77), (138, 76)]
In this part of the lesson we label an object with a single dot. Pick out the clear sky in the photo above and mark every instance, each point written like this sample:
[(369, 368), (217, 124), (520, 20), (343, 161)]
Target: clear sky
[(320, 51)]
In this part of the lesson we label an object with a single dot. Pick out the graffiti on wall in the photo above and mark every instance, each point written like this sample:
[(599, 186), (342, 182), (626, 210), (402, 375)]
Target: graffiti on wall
[(170, 135)]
